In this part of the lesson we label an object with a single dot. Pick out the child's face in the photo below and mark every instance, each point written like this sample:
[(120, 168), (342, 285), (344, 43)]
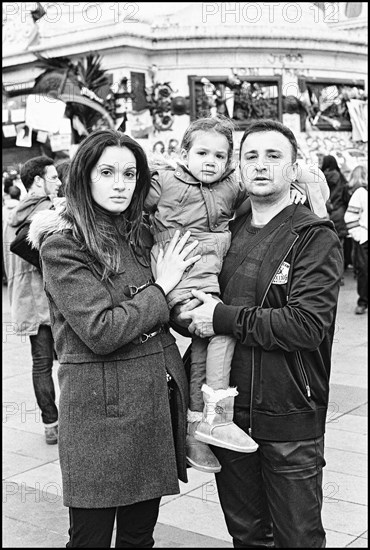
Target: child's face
[(207, 157)]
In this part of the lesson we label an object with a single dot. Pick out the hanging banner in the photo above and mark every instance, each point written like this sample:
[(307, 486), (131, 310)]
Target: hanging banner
[(141, 123), (357, 109), (44, 113)]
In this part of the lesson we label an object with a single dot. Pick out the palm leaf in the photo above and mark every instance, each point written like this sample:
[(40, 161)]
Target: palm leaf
[(54, 63), (90, 72), (86, 72)]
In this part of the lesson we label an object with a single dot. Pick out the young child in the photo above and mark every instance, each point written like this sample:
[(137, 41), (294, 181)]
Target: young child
[(202, 195)]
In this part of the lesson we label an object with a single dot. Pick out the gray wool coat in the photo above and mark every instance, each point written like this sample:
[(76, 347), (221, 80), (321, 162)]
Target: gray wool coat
[(117, 441)]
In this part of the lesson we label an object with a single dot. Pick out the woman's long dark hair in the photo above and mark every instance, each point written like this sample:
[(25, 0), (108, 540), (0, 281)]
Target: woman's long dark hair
[(96, 231), (329, 163)]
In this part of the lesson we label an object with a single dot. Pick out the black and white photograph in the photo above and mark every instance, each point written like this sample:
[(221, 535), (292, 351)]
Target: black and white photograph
[(185, 274)]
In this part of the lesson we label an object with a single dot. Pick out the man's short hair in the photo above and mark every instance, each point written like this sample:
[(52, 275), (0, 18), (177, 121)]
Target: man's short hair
[(34, 167), (267, 125)]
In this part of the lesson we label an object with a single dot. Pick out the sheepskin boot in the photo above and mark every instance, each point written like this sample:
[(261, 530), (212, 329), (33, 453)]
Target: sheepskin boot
[(198, 454), (217, 426)]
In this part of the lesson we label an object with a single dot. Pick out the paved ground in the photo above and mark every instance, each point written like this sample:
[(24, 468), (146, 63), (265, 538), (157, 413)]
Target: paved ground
[(33, 513)]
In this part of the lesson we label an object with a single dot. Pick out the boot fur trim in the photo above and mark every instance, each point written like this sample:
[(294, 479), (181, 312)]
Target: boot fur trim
[(217, 395), (194, 416)]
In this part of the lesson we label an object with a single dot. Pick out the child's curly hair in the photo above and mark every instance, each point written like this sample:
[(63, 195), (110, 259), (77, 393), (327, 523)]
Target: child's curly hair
[(219, 124)]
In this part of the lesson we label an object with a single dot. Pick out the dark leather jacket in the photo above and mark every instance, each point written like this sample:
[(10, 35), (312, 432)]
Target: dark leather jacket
[(291, 328)]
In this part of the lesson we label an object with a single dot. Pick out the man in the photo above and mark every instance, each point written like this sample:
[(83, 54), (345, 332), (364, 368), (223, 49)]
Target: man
[(280, 282), (356, 219), (320, 157), (28, 301)]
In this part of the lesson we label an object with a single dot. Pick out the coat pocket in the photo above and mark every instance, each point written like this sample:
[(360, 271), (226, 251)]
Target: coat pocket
[(111, 388), (304, 375), (182, 197)]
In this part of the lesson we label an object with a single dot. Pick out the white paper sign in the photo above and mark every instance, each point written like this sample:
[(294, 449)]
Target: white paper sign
[(44, 113), (17, 115), (9, 131), (42, 136), (24, 135), (65, 126)]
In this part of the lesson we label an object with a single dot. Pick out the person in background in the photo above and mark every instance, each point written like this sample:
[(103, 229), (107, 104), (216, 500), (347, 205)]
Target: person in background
[(62, 169), (10, 203), (19, 183), (357, 178), (338, 200), (320, 157), (11, 197), (123, 389), (13, 178), (356, 218), (28, 303), (8, 182)]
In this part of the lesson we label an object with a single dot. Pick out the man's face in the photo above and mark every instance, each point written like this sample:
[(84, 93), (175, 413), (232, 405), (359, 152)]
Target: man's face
[(266, 166), (51, 181)]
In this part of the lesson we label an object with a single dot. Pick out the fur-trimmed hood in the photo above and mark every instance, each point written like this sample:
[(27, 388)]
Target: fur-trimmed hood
[(45, 223)]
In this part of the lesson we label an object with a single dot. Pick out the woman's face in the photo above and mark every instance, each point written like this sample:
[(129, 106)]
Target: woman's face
[(113, 179)]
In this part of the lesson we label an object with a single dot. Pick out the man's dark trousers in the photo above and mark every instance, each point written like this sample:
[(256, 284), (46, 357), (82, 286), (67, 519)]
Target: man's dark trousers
[(273, 497)]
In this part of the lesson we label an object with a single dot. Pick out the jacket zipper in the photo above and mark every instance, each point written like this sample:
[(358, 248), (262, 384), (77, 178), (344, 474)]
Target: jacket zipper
[(304, 374), (253, 364)]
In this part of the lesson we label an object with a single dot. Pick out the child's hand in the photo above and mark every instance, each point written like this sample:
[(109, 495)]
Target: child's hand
[(311, 175), (315, 186), (297, 197)]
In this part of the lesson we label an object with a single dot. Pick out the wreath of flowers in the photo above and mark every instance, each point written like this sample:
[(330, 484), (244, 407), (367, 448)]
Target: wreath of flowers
[(159, 99)]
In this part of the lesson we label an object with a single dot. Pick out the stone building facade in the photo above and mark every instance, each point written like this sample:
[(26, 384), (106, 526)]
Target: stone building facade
[(302, 63)]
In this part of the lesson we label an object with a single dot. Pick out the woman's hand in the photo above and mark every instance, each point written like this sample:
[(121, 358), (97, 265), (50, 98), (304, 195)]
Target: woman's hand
[(170, 265)]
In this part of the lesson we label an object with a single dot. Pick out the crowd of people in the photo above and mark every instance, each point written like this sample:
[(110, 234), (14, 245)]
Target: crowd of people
[(246, 260)]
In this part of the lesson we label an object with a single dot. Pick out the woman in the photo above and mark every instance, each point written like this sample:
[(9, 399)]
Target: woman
[(120, 451), (358, 178), (338, 200)]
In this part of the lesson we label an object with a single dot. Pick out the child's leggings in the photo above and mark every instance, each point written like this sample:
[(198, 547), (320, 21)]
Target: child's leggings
[(210, 364)]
